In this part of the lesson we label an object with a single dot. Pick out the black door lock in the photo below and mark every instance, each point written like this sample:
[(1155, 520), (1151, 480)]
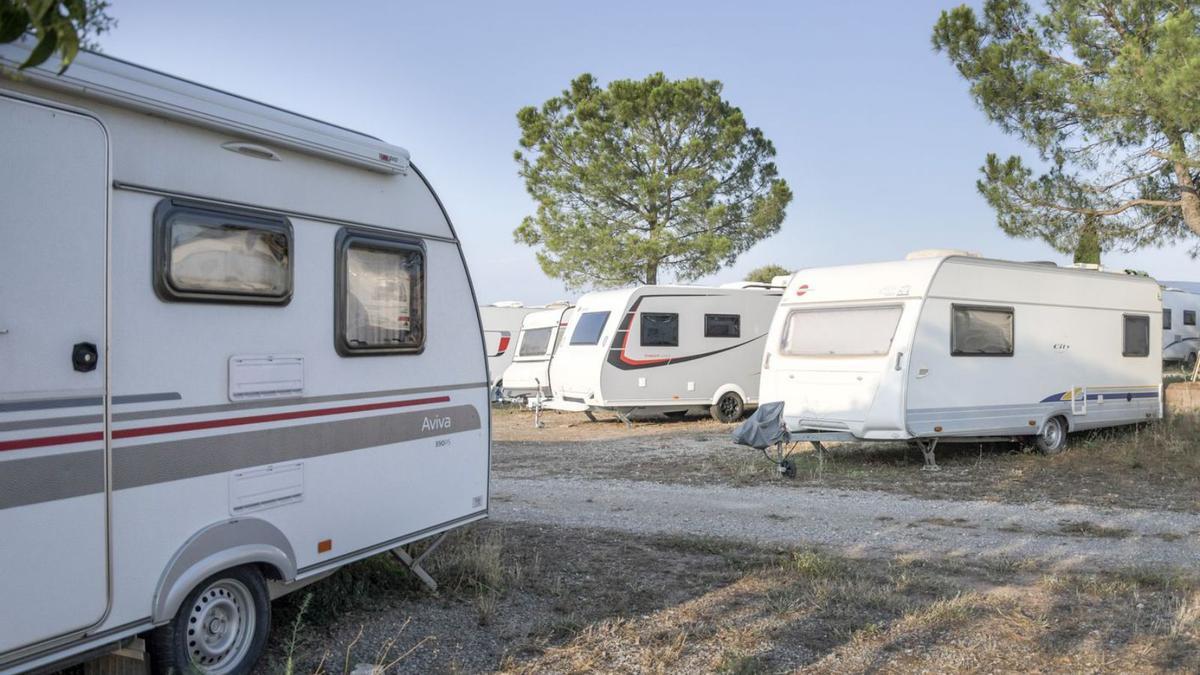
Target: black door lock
[(84, 357)]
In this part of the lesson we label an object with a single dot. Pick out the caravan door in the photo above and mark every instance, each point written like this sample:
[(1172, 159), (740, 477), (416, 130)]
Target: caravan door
[(53, 382)]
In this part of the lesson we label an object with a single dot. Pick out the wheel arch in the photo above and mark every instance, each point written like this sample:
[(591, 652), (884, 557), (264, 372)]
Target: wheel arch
[(221, 546), (726, 388)]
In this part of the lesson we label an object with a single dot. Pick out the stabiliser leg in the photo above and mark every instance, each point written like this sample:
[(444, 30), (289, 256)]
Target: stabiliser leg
[(927, 448), (414, 564)]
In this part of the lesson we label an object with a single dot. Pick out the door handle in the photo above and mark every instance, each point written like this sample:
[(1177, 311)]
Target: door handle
[(84, 357), (899, 355)]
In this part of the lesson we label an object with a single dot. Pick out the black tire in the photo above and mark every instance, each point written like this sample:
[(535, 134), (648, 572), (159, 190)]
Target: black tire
[(1189, 364), (729, 408), (1052, 439), (192, 641)]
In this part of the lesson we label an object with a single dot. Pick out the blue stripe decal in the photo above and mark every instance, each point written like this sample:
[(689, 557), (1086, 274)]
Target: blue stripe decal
[(1127, 395)]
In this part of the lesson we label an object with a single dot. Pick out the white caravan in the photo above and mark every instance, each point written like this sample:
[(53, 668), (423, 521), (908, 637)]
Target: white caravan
[(238, 349), (1181, 336), (501, 323), (668, 349), (955, 346), (528, 376)]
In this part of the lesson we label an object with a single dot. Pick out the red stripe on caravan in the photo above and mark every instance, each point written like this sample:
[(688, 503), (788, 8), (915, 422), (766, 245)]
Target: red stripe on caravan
[(24, 443), (632, 361)]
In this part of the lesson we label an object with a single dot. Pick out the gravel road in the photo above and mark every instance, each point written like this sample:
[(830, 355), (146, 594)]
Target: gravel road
[(859, 523)]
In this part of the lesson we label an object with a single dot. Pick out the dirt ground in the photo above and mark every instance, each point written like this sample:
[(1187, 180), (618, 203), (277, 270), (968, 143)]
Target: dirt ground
[(525, 596), (532, 600), (1149, 467)]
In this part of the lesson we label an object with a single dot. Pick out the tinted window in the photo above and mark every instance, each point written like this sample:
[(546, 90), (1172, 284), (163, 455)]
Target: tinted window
[(380, 294), (981, 331), (1137, 336), (1189, 317), (1166, 319), (209, 254), (722, 325), (588, 328), (535, 341), (848, 331), (660, 330)]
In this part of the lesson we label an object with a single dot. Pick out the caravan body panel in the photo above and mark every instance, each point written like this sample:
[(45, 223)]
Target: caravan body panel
[(541, 333), (663, 347), (501, 326), (244, 419), (1181, 332), (875, 349)]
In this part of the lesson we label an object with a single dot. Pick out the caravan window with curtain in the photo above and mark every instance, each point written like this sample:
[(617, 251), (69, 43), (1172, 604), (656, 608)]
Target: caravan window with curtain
[(380, 294), (981, 331), (213, 254), (844, 331)]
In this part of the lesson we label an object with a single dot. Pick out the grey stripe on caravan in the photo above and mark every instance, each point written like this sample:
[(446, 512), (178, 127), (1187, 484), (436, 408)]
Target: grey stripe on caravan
[(276, 403), (50, 422), (83, 401), (42, 479)]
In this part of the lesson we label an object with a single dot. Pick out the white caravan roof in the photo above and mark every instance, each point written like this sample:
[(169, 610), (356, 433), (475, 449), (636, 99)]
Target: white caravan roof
[(108, 79), (915, 277)]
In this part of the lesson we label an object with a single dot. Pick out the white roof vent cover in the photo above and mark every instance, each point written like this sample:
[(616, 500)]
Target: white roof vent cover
[(939, 253)]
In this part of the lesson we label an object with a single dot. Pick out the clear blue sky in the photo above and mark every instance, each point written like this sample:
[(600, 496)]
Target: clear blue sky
[(875, 132)]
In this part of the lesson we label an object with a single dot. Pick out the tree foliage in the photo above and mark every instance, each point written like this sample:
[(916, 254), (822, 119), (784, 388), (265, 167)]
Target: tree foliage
[(644, 179), (764, 274), (1108, 93), (63, 26)]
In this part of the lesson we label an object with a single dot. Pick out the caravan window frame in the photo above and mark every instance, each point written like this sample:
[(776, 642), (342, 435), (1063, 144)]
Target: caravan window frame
[(166, 214), (1125, 319), (736, 324), (1167, 318), (998, 309), (671, 316), (346, 239), (1189, 314), (586, 340)]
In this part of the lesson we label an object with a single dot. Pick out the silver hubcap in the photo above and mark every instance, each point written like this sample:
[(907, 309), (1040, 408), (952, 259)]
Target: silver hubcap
[(1052, 433), (220, 627)]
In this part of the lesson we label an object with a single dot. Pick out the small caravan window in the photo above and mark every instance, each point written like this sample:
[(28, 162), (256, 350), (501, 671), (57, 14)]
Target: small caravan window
[(660, 330), (210, 253), (1189, 317), (535, 341), (588, 328), (379, 297), (1166, 319), (846, 331), (722, 325), (1137, 335), (981, 331)]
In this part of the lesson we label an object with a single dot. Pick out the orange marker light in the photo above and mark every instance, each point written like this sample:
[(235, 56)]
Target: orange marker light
[(325, 546)]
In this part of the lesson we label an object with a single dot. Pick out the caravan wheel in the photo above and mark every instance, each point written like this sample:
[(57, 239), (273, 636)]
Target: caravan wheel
[(1053, 437), (729, 408), (220, 629)]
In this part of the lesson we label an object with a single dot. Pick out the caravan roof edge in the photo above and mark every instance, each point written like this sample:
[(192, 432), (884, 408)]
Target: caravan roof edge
[(128, 85)]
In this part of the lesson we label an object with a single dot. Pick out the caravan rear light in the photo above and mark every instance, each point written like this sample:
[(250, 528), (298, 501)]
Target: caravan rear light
[(504, 340)]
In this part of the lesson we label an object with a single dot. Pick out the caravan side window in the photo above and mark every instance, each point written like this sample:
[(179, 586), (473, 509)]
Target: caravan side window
[(207, 253), (722, 325), (379, 294), (1189, 317), (1166, 319), (981, 331), (1137, 335), (588, 328), (660, 330)]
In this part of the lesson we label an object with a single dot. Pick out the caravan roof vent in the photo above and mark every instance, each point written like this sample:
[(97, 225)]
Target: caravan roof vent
[(939, 253)]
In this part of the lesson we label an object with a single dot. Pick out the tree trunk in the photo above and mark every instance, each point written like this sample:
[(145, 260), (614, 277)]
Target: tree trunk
[(1188, 196), (1087, 250), (651, 273)]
